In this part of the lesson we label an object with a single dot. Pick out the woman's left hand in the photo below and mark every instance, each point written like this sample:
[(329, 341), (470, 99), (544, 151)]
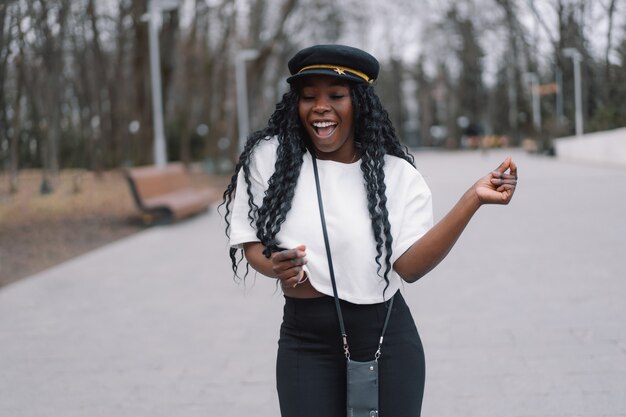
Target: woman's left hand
[(498, 186)]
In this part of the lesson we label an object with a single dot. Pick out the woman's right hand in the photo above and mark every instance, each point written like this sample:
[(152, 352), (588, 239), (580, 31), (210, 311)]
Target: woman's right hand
[(287, 266)]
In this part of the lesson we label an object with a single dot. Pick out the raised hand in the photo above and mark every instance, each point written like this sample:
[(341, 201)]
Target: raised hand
[(498, 186)]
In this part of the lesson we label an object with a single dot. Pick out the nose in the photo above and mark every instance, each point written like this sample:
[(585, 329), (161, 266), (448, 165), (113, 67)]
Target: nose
[(321, 105)]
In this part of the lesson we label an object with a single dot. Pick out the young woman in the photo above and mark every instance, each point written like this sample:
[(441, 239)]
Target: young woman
[(380, 226)]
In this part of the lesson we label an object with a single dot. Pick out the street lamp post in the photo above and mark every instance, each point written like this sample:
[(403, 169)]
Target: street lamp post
[(153, 17), (576, 58), (242, 93), (558, 78), (532, 78)]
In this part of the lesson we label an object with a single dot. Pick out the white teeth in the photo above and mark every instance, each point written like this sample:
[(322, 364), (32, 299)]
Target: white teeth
[(324, 124)]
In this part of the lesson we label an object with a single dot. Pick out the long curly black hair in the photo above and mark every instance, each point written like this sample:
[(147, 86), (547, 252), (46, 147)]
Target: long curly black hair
[(374, 135)]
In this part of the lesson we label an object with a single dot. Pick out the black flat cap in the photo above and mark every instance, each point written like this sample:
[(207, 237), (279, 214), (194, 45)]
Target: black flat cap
[(339, 61)]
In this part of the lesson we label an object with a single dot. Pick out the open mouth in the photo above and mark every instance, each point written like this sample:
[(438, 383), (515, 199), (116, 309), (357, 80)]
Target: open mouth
[(324, 129)]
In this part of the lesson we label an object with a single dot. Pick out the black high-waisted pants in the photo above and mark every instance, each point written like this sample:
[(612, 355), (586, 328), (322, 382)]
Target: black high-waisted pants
[(311, 367)]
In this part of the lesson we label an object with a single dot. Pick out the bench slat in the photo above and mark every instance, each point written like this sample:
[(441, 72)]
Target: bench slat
[(167, 191)]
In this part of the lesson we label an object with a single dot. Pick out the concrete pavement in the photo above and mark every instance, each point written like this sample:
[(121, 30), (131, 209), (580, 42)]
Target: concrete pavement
[(526, 315), (524, 318)]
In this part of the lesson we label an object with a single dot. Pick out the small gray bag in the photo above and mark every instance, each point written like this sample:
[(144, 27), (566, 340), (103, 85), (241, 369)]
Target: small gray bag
[(362, 377), (363, 389)]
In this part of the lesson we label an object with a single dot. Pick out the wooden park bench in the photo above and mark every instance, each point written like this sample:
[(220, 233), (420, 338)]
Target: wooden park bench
[(166, 194)]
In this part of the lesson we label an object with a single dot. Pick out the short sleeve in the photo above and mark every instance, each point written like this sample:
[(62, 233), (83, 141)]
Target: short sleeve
[(415, 216), (242, 228)]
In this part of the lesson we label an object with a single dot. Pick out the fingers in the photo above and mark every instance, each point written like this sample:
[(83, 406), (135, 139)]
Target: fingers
[(507, 164), (287, 265), (505, 179), (502, 180), (513, 169), (294, 280), (503, 166), (506, 192), (499, 185), (289, 255), (503, 187)]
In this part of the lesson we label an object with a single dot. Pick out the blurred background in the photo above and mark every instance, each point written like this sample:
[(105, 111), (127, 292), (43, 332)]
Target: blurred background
[(88, 87), (525, 318)]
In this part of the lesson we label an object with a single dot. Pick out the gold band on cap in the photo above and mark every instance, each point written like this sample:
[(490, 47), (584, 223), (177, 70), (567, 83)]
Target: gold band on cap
[(339, 70)]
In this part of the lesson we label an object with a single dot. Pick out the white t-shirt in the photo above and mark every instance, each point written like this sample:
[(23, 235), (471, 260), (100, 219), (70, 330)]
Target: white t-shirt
[(347, 219)]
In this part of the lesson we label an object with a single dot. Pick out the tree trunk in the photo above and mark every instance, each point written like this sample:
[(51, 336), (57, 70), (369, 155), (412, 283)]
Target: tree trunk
[(191, 77), (14, 123), (101, 130), (118, 85), (52, 53), (608, 74), (141, 73)]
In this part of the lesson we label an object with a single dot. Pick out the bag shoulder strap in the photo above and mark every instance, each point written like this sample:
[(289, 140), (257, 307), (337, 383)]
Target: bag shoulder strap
[(342, 328)]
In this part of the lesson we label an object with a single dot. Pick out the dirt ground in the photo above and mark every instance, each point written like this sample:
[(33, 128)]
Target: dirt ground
[(84, 212)]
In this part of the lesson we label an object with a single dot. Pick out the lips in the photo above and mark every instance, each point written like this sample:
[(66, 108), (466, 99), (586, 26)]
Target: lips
[(324, 128)]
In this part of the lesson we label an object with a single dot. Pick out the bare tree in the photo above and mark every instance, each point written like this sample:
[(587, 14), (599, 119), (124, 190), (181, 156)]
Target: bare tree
[(75, 73), (50, 24), (9, 22), (271, 38), (610, 11), (142, 149)]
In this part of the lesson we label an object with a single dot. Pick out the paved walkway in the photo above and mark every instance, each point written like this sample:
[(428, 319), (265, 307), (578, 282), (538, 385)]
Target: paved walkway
[(525, 317)]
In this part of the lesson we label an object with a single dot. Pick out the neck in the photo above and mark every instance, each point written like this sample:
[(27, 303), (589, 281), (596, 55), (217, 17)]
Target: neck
[(356, 152), (347, 156)]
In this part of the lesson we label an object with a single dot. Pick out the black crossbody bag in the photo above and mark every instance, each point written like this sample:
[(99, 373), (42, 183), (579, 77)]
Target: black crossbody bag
[(362, 377)]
